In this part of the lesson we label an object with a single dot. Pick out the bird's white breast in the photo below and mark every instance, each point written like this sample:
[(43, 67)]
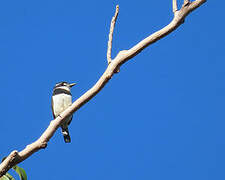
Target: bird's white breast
[(61, 102)]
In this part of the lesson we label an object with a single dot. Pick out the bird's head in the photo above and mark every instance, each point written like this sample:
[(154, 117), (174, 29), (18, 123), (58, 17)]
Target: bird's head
[(64, 85)]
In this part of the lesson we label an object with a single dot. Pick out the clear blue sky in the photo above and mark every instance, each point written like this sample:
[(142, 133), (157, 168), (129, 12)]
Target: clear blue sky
[(161, 118)]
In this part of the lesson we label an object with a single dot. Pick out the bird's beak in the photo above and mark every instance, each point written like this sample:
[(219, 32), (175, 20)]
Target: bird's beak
[(72, 84)]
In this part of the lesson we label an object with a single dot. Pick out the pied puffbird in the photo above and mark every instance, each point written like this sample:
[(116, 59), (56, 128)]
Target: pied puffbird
[(61, 100)]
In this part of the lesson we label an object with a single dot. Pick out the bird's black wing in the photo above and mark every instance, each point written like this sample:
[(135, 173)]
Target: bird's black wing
[(52, 105)]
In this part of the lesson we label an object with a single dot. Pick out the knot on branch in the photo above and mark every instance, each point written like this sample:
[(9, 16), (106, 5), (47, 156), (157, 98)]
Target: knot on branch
[(43, 145), (12, 157), (8, 162), (186, 3), (14, 154), (117, 70)]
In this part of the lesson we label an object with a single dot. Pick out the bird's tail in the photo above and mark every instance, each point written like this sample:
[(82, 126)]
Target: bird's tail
[(66, 134)]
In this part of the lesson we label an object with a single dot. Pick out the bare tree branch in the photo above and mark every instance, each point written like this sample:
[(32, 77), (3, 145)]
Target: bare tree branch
[(113, 22), (174, 6), (123, 56)]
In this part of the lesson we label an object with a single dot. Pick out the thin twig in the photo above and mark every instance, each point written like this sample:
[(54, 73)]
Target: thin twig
[(122, 57), (113, 22), (174, 6)]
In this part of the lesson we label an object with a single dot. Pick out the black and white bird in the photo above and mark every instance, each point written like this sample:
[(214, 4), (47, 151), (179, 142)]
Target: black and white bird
[(61, 100)]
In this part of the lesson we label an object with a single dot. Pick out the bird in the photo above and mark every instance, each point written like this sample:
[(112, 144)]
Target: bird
[(61, 100)]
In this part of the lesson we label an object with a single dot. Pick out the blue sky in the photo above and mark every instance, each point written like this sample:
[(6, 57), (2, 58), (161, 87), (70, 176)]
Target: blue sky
[(162, 117)]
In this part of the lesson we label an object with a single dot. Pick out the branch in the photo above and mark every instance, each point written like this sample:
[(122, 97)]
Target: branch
[(174, 6), (113, 22), (123, 56)]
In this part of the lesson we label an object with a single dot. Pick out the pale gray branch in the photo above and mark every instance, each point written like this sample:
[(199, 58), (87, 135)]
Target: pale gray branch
[(174, 6), (113, 22), (123, 56)]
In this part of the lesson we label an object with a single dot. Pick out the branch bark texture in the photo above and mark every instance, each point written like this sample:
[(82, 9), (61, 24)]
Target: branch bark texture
[(16, 157), (113, 22)]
